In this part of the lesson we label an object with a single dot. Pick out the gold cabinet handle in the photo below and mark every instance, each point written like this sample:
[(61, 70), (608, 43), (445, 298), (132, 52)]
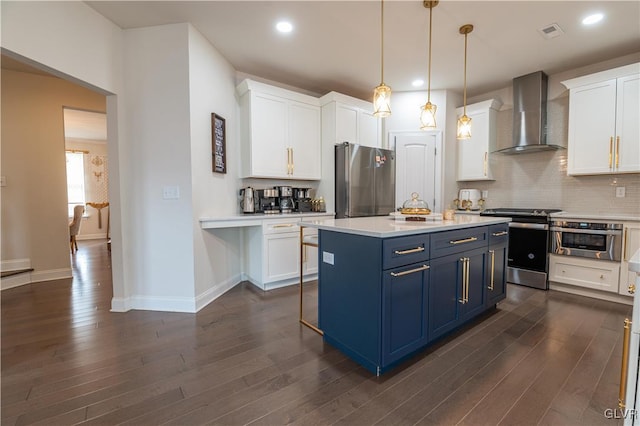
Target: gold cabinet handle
[(415, 250), (284, 225), (465, 280), (410, 271), (466, 240), (632, 289), (493, 263), (617, 151), (486, 157), (499, 234), (292, 166), (610, 150), (622, 394)]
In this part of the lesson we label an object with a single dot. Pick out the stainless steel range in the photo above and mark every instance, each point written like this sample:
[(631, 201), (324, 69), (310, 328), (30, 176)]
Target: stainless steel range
[(528, 255)]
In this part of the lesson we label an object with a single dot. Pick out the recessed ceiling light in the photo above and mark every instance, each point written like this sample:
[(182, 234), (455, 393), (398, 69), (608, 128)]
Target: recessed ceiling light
[(593, 19), (284, 27), (417, 83)]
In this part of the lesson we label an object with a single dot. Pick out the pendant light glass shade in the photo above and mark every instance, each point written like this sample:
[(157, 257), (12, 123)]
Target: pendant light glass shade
[(464, 122), (382, 93), (382, 101), (428, 113), (428, 117)]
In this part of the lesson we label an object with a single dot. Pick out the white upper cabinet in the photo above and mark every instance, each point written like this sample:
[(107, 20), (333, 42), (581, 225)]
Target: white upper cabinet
[(474, 153), (347, 119), (604, 130), (280, 132)]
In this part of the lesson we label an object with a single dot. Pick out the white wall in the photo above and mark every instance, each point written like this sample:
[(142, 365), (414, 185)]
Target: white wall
[(217, 253), (75, 42)]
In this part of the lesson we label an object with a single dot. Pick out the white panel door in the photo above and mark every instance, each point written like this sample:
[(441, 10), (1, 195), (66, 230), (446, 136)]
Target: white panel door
[(282, 256), (473, 153), (418, 167), (268, 136), (592, 124), (628, 125), (304, 140), (369, 129), (346, 123)]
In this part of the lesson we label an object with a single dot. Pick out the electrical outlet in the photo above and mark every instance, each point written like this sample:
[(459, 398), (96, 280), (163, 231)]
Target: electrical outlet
[(620, 191), (485, 194)]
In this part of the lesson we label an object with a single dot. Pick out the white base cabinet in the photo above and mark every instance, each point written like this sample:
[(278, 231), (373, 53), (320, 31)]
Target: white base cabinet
[(602, 275), (273, 253), (474, 153), (630, 245), (279, 132), (604, 130)]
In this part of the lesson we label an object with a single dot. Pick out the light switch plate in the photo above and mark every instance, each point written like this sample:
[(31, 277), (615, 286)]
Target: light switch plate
[(171, 192), (620, 191)]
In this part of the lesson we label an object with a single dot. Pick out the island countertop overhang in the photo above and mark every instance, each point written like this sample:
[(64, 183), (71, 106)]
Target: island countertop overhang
[(389, 227)]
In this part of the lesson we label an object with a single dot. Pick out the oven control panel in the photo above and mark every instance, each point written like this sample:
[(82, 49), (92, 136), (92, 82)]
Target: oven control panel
[(587, 225)]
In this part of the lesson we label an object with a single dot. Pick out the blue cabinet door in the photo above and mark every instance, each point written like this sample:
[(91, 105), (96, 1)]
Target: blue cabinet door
[(404, 311), (475, 298), (496, 280), (445, 294)]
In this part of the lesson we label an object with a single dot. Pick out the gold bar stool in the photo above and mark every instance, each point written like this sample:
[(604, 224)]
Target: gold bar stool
[(311, 241)]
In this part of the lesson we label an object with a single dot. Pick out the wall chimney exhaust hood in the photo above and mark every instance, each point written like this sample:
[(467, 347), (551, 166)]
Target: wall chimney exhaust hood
[(529, 115)]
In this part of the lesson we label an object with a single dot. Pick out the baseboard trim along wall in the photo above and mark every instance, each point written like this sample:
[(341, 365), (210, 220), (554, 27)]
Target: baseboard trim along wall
[(29, 276), (92, 237), (168, 304)]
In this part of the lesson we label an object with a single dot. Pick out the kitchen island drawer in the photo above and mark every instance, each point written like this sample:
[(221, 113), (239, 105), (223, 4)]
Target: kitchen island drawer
[(451, 242), (498, 234), (404, 251)]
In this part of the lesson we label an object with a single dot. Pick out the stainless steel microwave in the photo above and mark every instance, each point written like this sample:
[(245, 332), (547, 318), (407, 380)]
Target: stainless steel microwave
[(587, 239)]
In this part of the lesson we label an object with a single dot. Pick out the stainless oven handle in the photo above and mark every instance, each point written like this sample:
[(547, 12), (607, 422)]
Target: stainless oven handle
[(587, 231), (540, 226)]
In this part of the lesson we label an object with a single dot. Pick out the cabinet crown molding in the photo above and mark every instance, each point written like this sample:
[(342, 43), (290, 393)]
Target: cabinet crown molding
[(623, 71), (345, 99), (481, 106), (248, 84)]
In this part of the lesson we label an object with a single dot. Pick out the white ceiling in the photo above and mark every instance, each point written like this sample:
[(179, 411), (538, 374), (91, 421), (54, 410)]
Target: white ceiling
[(336, 44), (87, 125)]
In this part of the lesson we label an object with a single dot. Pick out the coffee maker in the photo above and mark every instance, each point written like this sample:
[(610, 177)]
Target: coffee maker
[(302, 199), (285, 199), (267, 201)]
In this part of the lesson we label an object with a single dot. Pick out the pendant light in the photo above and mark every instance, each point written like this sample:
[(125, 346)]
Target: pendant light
[(382, 93), (464, 122), (428, 114)]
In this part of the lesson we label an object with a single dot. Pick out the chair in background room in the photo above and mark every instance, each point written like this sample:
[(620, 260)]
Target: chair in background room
[(74, 226)]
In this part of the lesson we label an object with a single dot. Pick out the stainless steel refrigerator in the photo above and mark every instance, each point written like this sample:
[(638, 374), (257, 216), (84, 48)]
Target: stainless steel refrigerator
[(365, 181)]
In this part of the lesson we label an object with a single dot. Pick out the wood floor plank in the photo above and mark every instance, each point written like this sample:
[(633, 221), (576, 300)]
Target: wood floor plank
[(542, 357)]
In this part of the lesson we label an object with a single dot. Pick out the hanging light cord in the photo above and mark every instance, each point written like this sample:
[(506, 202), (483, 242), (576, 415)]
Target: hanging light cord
[(464, 101), (382, 41), (429, 76)]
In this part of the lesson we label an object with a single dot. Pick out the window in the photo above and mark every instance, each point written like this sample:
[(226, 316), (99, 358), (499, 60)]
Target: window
[(75, 179)]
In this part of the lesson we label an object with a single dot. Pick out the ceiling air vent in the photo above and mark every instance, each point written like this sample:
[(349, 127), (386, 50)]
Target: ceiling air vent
[(551, 31)]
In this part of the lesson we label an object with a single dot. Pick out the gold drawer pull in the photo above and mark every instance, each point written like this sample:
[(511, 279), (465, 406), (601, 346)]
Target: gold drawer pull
[(622, 394), (415, 250), (466, 240), (493, 267), (284, 225), (500, 234), (632, 288), (410, 271)]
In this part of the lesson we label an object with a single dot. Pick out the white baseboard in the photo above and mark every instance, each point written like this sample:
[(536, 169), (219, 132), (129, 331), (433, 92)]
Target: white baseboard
[(15, 264), (15, 281), (218, 290), (120, 304), (35, 277), (581, 291), (50, 275), (82, 237)]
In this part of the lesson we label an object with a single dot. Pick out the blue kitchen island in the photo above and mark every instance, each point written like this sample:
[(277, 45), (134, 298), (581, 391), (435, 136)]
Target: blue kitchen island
[(388, 288)]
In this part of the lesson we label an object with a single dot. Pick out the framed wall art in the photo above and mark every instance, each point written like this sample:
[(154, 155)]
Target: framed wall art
[(218, 143)]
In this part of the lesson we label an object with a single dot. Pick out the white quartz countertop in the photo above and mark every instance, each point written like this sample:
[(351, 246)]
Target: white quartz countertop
[(255, 219), (387, 226), (596, 216)]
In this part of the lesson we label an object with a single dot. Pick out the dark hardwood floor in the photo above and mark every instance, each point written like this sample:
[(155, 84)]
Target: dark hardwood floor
[(540, 358)]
